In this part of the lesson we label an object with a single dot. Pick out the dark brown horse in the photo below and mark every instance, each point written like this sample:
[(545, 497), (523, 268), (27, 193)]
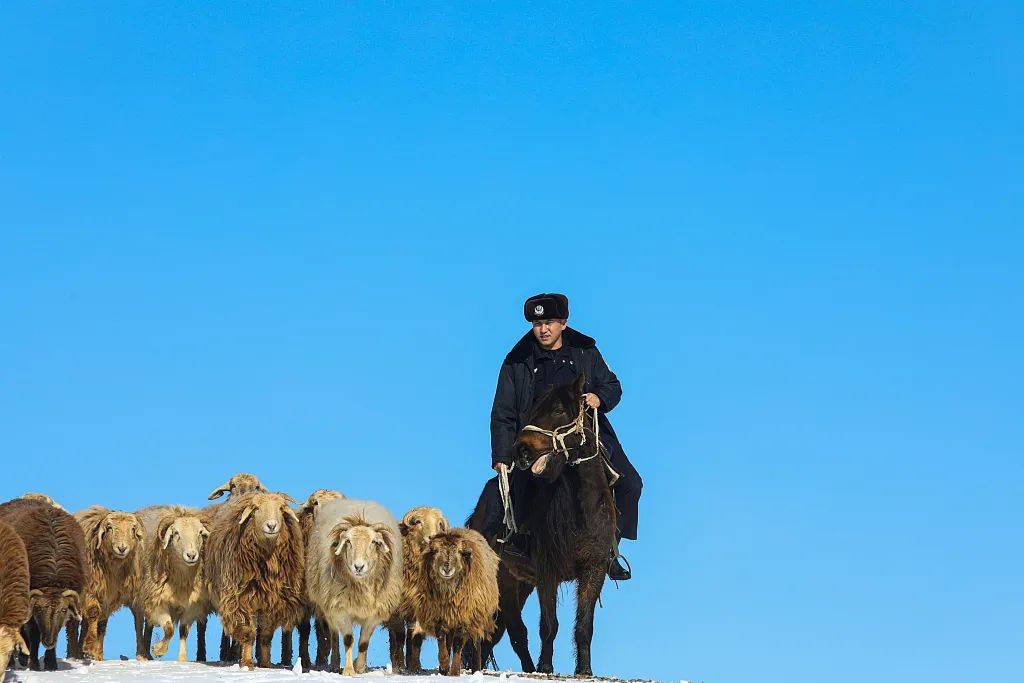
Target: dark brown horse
[(564, 504)]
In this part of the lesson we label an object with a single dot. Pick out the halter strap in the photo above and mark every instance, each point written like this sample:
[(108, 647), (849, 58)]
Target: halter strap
[(558, 435)]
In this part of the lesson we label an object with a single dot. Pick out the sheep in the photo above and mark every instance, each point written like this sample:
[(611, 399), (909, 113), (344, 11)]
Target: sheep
[(417, 526), (15, 605), (455, 594), (43, 497), (172, 589), (58, 571), (241, 482), (324, 639), (114, 552), (253, 569), (354, 572)]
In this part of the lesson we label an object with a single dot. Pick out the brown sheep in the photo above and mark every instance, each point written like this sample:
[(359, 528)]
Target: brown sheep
[(241, 482), (418, 525), (254, 569), (114, 551), (172, 589), (58, 571), (15, 605), (455, 594)]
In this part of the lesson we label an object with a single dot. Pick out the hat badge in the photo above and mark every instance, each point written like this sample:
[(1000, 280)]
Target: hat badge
[(538, 310)]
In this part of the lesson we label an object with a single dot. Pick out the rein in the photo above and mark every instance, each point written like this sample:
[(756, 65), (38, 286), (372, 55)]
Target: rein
[(577, 426)]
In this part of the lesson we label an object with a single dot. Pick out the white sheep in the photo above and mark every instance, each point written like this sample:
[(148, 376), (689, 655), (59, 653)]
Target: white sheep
[(354, 572)]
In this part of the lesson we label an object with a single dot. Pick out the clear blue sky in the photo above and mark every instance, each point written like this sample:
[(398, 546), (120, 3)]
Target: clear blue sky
[(295, 240)]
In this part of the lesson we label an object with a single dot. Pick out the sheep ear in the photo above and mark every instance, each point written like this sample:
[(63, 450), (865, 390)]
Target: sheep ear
[(99, 536), (341, 541), (444, 525), (387, 536), (467, 555), (245, 515), (403, 528), (204, 532), (288, 512), (138, 532), (220, 490), (168, 533)]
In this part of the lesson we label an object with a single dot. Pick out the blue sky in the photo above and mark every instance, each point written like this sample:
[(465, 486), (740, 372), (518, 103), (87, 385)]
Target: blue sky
[(295, 240)]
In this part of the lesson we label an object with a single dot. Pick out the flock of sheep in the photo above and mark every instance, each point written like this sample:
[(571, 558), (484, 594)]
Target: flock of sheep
[(256, 561)]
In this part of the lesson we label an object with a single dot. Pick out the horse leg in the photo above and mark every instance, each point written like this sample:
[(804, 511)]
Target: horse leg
[(511, 612), (588, 590), (263, 638), (547, 593)]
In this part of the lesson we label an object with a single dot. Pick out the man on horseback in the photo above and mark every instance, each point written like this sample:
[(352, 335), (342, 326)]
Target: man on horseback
[(550, 355)]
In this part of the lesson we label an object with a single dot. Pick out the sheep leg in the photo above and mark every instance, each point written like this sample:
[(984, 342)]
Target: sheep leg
[(183, 628), (91, 646), (348, 640), (304, 644), (548, 595), (101, 636), (443, 653), (456, 643), (71, 631), (335, 652), (396, 645), (588, 590), (50, 659), (141, 649), (286, 647), (365, 631), (163, 619), (263, 640), (412, 649), (324, 636), (147, 640), (33, 645), (201, 640)]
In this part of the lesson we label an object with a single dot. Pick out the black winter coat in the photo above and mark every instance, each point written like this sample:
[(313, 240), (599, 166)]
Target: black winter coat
[(513, 397)]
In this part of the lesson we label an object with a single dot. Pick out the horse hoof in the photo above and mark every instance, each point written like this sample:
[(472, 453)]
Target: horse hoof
[(545, 669)]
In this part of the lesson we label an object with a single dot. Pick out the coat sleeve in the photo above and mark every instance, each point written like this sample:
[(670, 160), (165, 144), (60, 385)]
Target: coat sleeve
[(605, 384), (503, 418)]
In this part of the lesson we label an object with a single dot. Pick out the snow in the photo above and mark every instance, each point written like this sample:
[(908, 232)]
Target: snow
[(115, 671)]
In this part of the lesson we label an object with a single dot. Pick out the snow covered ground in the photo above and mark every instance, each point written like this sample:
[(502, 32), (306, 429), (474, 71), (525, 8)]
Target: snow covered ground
[(191, 672)]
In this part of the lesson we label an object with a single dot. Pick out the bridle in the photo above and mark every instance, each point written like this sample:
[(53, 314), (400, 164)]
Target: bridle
[(559, 434)]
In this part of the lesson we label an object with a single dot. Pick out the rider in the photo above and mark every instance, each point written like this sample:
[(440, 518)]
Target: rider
[(553, 354)]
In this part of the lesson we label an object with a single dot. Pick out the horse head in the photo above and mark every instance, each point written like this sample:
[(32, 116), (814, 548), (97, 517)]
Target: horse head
[(544, 445)]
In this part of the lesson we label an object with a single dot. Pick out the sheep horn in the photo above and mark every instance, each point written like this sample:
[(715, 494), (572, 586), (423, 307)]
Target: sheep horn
[(167, 536), (220, 490), (245, 515)]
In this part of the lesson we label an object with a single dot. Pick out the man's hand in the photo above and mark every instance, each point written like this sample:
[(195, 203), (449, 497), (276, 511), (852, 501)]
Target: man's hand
[(592, 401), (499, 466)]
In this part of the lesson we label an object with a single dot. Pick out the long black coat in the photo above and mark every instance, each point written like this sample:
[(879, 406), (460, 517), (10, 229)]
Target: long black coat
[(513, 400)]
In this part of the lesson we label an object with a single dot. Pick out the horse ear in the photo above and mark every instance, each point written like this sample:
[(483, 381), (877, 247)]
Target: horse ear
[(577, 386)]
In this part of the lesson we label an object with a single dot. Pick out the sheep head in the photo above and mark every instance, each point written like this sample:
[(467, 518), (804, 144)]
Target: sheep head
[(243, 482), (318, 498), (51, 608), (183, 536), (360, 547), (420, 523), (264, 515), (43, 497), (119, 533), (447, 559), (10, 639)]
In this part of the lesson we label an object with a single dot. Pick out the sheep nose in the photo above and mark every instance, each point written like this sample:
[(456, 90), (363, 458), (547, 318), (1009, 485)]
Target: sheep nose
[(271, 526), (122, 548), (191, 556), (359, 566)]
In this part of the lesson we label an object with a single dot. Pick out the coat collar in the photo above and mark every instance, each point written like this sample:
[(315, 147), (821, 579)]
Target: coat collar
[(570, 337)]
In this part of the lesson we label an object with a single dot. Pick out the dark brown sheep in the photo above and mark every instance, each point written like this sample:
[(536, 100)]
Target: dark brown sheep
[(15, 606), (254, 569), (58, 571), (455, 594)]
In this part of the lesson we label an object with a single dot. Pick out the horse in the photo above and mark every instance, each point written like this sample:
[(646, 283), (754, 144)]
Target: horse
[(563, 494)]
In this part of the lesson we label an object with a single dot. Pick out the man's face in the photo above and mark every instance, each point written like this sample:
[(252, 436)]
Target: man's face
[(548, 332)]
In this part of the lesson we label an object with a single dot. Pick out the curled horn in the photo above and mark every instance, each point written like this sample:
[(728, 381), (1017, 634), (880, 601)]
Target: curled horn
[(76, 612), (387, 535), (103, 530), (34, 594), (339, 530), (220, 490), (19, 642)]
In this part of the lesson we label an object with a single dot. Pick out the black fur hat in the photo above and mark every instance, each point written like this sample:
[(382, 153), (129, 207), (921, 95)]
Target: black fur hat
[(546, 307)]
